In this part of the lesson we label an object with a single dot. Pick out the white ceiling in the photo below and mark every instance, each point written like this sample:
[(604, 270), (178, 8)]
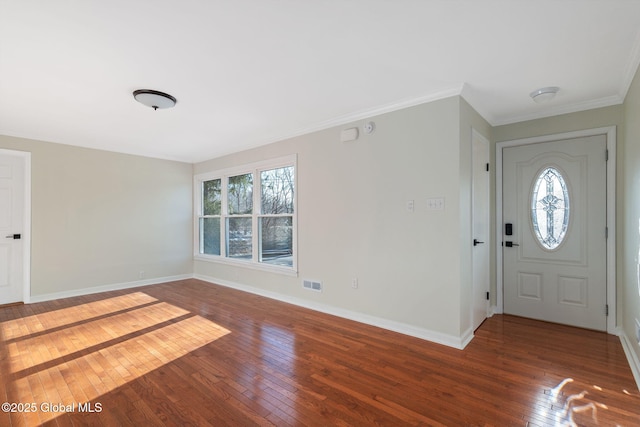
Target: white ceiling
[(250, 72)]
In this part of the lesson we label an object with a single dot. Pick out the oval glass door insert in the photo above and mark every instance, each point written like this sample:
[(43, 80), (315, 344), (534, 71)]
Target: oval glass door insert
[(550, 208)]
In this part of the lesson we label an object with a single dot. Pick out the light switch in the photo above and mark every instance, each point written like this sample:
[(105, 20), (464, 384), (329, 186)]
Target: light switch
[(435, 204)]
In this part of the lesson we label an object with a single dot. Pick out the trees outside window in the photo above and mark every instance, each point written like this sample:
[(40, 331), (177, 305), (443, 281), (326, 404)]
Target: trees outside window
[(248, 216), (276, 219)]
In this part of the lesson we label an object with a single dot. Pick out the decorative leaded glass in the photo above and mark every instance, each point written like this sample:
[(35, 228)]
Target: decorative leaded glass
[(550, 208)]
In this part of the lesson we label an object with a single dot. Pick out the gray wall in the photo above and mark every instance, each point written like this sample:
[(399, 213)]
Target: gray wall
[(629, 209), (353, 220), (100, 218)]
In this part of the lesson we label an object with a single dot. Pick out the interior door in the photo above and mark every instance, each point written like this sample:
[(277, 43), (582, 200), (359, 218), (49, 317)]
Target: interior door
[(554, 233), (480, 251), (12, 169)]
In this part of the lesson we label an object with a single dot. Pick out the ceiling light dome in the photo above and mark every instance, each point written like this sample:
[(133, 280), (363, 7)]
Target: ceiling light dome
[(544, 94), (154, 98)]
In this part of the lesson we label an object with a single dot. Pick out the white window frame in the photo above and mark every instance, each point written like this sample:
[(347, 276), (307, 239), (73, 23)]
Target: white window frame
[(254, 168)]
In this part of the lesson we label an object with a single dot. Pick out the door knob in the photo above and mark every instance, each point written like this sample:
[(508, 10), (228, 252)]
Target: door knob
[(13, 236), (477, 242), (510, 244)]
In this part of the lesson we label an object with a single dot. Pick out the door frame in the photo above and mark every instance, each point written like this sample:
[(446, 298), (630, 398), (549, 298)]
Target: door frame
[(610, 134), (26, 218)]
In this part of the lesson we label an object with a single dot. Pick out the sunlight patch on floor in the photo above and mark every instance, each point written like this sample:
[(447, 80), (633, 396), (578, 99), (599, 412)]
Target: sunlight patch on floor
[(45, 369), (36, 323), (566, 407), (38, 350)]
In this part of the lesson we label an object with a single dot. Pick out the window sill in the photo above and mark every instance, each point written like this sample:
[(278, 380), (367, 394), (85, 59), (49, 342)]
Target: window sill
[(287, 271)]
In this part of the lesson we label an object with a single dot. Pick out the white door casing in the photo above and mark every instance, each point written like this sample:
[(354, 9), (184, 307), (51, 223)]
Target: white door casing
[(14, 221), (610, 133), (575, 282), (480, 228)]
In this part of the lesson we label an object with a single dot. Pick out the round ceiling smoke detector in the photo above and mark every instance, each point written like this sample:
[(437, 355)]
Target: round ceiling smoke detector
[(154, 98), (544, 94)]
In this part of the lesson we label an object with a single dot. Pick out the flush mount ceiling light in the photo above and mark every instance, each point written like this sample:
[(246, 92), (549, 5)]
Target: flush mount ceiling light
[(544, 94), (154, 99)]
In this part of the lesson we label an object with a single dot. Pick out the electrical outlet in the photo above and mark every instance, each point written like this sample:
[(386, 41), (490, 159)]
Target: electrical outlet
[(141, 274), (354, 283)]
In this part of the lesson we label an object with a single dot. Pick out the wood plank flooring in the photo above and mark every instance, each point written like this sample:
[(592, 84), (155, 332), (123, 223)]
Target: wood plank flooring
[(192, 353)]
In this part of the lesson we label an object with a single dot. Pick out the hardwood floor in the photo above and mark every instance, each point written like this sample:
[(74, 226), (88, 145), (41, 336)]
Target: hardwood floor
[(191, 353)]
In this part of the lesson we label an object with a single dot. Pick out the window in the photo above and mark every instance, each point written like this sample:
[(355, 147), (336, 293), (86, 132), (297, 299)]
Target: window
[(210, 219), (276, 219), (247, 215), (239, 235), (550, 208)]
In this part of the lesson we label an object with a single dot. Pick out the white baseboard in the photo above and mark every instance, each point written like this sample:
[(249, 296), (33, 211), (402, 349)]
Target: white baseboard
[(632, 356), (494, 310), (466, 338), (105, 288), (403, 328)]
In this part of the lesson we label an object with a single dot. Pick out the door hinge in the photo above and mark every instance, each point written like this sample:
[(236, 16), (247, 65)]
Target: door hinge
[(606, 232), (606, 155), (487, 167), (606, 310), (487, 296)]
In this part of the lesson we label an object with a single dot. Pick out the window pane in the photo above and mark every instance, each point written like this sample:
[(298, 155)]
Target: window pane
[(211, 197), (240, 194), (210, 236), (239, 238), (277, 190), (276, 237), (550, 208)]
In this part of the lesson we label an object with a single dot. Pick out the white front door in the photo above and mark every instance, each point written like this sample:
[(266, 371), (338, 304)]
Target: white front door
[(554, 231), (480, 231), (12, 176)]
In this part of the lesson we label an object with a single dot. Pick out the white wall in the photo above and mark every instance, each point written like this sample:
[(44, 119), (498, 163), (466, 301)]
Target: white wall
[(353, 221), (99, 218)]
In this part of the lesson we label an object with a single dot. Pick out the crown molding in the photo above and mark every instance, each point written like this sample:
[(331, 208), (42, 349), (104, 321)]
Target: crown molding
[(383, 109), (557, 111), (476, 103), (631, 69), (453, 90)]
